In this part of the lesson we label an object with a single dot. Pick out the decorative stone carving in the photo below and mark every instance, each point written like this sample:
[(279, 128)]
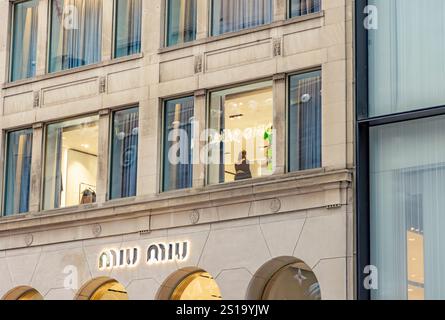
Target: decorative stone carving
[(275, 205), (36, 101), (97, 230), (198, 64), (277, 47), (29, 239), (194, 217), (102, 85)]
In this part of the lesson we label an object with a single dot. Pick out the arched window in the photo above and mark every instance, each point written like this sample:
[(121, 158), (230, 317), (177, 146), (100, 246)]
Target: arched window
[(23, 293), (102, 288), (189, 284), (284, 278)]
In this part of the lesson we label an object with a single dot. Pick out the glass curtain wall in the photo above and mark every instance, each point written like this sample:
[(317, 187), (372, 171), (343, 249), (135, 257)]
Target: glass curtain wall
[(124, 153), (76, 33), (235, 15), (18, 172), (305, 121), (178, 150), (24, 40), (181, 21), (128, 21)]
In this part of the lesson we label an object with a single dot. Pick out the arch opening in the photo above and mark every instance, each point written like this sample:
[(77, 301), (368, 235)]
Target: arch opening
[(284, 278), (190, 284), (23, 293), (102, 288)]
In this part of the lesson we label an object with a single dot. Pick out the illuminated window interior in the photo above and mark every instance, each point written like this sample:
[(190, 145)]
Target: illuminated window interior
[(110, 291), (293, 282), (31, 295), (197, 286), (241, 137), (71, 163)]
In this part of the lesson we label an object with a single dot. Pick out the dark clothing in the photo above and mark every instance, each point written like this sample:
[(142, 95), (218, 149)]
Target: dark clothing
[(243, 171)]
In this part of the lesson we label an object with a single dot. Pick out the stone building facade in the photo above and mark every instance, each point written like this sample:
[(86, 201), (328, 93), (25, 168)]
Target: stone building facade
[(239, 232)]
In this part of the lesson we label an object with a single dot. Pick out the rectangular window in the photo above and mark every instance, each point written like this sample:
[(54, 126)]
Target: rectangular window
[(128, 21), (71, 163), (124, 153), (181, 21), (299, 8), (241, 133), (407, 187), (24, 40), (18, 172), (76, 33), (235, 15), (406, 56), (178, 151), (305, 121)]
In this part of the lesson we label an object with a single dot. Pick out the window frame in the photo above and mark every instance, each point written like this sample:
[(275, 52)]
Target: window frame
[(114, 34), (289, 10), (163, 105), (5, 147), (108, 197)]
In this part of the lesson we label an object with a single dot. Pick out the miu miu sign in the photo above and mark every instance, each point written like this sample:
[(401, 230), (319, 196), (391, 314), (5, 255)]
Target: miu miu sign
[(156, 253)]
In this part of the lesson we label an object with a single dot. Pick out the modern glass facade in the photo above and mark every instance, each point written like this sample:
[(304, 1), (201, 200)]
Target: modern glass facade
[(401, 150), (24, 40)]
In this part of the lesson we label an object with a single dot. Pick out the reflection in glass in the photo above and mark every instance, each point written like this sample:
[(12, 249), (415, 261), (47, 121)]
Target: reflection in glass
[(293, 282), (234, 15), (305, 121), (181, 21), (124, 153), (197, 286), (128, 27), (178, 149), (76, 33), (18, 172), (24, 40), (407, 176), (303, 7), (406, 56), (71, 163), (241, 133)]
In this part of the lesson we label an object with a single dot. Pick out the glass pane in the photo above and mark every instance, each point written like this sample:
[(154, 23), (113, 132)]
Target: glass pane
[(305, 121), (293, 282), (406, 56), (178, 155), (234, 15), (407, 175), (181, 21), (18, 171), (304, 7), (71, 163), (128, 27), (76, 33), (124, 153), (24, 40), (241, 133)]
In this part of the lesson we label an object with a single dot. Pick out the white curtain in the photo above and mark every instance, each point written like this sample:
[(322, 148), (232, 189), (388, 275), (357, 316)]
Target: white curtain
[(406, 56), (76, 35), (234, 15), (407, 176), (128, 27)]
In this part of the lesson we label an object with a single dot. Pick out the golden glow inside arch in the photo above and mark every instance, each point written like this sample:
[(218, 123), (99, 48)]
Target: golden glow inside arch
[(23, 293), (197, 286), (110, 291)]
